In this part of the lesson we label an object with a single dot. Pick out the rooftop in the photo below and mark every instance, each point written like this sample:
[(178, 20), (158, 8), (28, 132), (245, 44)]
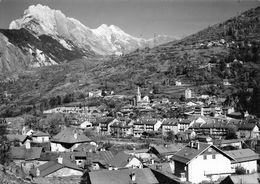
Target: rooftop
[(70, 135), (143, 176), (243, 155), (21, 153)]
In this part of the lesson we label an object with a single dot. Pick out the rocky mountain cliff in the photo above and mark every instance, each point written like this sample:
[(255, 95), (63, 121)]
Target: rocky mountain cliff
[(104, 40)]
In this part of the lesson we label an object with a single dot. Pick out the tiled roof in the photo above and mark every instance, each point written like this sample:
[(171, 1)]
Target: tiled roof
[(120, 160), (188, 153), (246, 126), (172, 122), (103, 157), (104, 120), (243, 155), (86, 148), (246, 179), (143, 176), (21, 153), (53, 166), (67, 135), (13, 137), (168, 148), (39, 134), (227, 141)]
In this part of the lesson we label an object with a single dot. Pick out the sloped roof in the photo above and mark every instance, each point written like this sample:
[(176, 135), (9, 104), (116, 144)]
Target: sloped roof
[(21, 153), (85, 147), (168, 148), (104, 120), (143, 176), (171, 121), (245, 179), (13, 137), (67, 135), (39, 134), (243, 155), (120, 160), (103, 157), (188, 153), (246, 126), (53, 166), (228, 141)]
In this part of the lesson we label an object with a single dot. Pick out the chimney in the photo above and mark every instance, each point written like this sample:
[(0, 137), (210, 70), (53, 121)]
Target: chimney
[(152, 161), (60, 160), (38, 172), (28, 144), (197, 145), (75, 135), (133, 177)]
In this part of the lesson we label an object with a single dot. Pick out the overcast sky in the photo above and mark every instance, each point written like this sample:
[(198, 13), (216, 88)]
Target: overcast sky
[(138, 17)]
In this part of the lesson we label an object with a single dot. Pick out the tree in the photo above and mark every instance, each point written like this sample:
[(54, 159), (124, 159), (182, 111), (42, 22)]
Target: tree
[(4, 143), (31, 121), (170, 136), (240, 170), (231, 133)]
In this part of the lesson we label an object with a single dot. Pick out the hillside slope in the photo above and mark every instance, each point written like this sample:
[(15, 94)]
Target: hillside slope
[(229, 50), (21, 50)]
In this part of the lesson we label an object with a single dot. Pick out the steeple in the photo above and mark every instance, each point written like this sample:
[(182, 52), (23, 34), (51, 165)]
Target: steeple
[(138, 94)]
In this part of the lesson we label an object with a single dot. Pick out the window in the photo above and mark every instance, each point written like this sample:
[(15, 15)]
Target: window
[(213, 156), (205, 157)]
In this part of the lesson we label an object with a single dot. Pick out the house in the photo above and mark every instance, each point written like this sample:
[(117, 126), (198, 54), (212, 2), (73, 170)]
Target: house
[(17, 139), (226, 82), (245, 158), (146, 125), (97, 93), (40, 137), (188, 93), (184, 124), (26, 157), (178, 83), (248, 130), (167, 150), (85, 124), (104, 124), (122, 127), (58, 168), (123, 160), (170, 125), (142, 154), (199, 161), (68, 139), (123, 176), (242, 179), (100, 159), (225, 144)]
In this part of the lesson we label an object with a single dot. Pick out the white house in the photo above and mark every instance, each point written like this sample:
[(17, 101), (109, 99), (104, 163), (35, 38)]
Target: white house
[(123, 160), (40, 137), (245, 158), (60, 168), (170, 125), (188, 93), (68, 140), (178, 83), (198, 162)]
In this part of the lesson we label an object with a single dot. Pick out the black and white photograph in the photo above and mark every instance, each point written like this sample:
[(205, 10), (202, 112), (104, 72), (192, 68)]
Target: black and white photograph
[(129, 91)]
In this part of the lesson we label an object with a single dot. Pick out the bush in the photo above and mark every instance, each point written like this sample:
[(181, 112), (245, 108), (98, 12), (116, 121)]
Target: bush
[(240, 170)]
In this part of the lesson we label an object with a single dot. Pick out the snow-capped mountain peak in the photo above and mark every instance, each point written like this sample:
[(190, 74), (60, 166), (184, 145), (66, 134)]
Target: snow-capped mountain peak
[(40, 19)]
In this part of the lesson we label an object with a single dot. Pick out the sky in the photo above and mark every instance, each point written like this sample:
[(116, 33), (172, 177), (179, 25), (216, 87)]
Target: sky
[(140, 18)]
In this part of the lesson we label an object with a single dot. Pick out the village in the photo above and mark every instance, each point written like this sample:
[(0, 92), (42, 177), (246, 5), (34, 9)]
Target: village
[(147, 140)]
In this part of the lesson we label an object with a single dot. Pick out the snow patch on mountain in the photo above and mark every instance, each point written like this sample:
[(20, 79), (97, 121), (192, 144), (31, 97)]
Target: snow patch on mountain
[(103, 40)]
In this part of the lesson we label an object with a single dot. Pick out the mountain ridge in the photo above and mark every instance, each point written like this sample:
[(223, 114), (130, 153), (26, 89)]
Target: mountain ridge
[(104, 40)]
